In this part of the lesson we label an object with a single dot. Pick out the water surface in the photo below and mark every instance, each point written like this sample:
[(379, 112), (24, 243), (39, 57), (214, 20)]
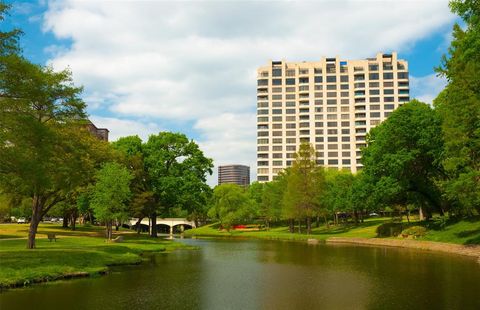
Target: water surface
[(255, 274)]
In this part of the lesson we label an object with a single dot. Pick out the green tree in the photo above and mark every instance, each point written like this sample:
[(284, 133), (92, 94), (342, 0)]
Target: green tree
[(170, 176), (304, 186), (459, 107), (255, 193), (337, 196), (403, 152), (44, 150), (143, 202), (176, 169), (84, 207), (46, 162), (9, 40), (230, 204), (110, 194), (272, 200)]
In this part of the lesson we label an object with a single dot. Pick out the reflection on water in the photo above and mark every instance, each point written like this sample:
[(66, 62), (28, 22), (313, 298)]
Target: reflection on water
[(235, 274)]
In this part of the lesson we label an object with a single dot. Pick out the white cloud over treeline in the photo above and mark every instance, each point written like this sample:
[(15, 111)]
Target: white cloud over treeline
[(195, 62)]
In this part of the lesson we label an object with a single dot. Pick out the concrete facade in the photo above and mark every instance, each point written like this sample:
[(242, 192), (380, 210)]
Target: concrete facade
[(331, 104)]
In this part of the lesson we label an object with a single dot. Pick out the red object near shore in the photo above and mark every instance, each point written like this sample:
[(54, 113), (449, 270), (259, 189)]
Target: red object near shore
[(239, 227)]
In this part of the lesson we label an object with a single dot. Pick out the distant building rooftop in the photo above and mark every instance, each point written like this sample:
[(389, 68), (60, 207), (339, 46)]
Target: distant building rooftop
[(100, 133)]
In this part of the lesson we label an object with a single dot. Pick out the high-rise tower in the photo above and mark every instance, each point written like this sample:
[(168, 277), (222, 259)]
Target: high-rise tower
[(331, 104)]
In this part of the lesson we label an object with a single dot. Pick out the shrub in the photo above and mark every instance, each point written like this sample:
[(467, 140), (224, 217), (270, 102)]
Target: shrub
[(389, 229), (438, 222), (415, 231), (397, 219)]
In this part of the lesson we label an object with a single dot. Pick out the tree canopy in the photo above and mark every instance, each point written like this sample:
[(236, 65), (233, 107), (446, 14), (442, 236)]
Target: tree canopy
[(170, 175), (459, 107), (45, 149), (404, 152), (110, 194)]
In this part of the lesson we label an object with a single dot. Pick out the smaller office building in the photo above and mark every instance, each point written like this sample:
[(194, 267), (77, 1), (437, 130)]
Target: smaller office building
[(100, 133), (234, 174)]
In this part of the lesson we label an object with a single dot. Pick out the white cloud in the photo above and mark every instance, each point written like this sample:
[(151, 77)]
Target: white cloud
[(427, 88), (229, 139), (124, 127), (194, 62)]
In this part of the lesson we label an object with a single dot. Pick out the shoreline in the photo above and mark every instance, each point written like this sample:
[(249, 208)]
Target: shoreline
[(77, 274), (73, 257), (46, 279), (451, 248), (434, 246)]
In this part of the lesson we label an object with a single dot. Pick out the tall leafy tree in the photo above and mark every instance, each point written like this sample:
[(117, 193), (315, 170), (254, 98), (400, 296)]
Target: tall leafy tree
[(272, 200), (304, 182), (177, 170), (45, 152), (110, 194), (337, 196), (131, 151), (170, 176), (403, 152), (459, 107)]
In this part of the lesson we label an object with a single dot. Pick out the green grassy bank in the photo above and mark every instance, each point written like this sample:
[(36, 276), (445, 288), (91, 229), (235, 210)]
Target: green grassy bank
[(461, 232), (76, 253)]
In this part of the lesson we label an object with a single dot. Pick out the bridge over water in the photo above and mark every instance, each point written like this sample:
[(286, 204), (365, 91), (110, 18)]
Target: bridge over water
[(170, 222)]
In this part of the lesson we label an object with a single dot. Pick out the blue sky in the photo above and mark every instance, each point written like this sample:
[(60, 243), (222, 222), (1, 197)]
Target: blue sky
[(190, 66), (423, 55)]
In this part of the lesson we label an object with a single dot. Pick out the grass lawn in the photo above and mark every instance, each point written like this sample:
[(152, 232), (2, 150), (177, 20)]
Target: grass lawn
[(8, 231), (75, 253), (461, 232), (364, 230)]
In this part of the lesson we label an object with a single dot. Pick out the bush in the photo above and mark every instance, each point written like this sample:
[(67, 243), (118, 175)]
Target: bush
[(438, 223), (415, 231), (389, 230), (397, 219)]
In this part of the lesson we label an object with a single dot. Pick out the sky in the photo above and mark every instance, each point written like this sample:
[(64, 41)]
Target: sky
[(190, 66)]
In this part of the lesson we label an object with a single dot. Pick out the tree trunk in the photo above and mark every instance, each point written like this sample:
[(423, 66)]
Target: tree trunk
[(442, 212), (37, 207), (65, 220), (326, 222), (139, 222), (421, 217), (309, 225), (299, 226), (153, 217), (74, 220), (290, 225), (317, 222), (109, 230), (355, 216), (408, 216)]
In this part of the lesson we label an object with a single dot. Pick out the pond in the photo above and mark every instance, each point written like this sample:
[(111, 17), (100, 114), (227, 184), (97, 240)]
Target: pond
[(256, 274)]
